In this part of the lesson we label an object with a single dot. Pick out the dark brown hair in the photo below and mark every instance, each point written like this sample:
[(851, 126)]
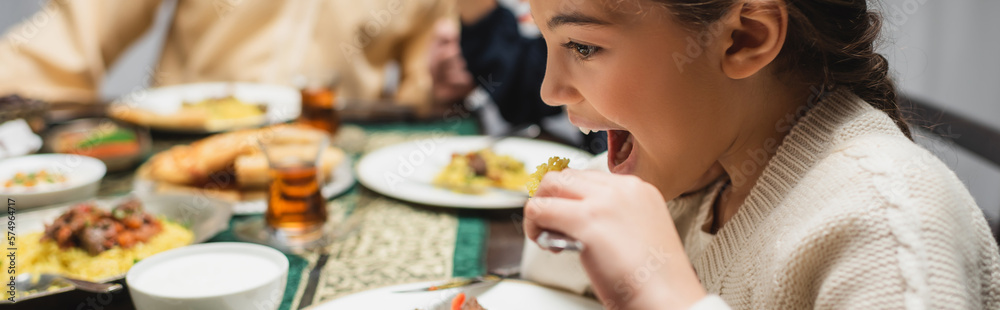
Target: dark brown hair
[(829, 43)]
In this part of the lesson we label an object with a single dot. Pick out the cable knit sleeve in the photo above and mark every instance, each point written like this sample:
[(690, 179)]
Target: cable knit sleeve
[(908, 249), (850, 214)]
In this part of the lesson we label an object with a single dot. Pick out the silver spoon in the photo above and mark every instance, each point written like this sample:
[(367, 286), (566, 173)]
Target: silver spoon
[(28, 282)]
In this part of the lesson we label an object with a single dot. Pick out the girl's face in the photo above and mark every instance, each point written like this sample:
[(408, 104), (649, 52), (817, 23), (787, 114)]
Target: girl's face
[(628, 67)]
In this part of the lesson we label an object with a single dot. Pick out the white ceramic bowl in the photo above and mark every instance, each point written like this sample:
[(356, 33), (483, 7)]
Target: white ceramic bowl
[(213, 276), (83, 178)]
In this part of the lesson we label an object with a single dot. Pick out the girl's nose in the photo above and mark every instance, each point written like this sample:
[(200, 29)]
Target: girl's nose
[(557, 87)]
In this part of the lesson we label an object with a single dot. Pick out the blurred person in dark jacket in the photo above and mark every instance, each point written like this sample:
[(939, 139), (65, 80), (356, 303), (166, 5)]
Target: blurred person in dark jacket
[(509, 65)]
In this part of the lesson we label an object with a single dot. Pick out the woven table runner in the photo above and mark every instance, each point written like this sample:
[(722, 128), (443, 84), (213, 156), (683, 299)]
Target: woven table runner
[(395, 242)]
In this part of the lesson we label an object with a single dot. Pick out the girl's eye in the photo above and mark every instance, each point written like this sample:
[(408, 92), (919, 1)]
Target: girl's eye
[(583, 51)]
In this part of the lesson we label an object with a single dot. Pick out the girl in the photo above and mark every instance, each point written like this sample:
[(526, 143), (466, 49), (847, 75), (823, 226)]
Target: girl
[(825, 201)]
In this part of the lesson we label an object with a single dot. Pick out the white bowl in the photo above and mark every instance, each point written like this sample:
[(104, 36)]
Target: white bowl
[(210, 276), (83, 178)]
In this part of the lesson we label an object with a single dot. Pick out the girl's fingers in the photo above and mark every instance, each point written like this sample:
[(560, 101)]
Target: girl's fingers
[(552, 213), (571, 183)]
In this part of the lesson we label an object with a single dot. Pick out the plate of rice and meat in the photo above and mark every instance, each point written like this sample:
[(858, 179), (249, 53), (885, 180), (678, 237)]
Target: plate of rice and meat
[(99, 240)]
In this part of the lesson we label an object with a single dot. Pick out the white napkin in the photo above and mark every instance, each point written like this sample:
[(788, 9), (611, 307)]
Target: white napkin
[(562, 270), (16, 139)]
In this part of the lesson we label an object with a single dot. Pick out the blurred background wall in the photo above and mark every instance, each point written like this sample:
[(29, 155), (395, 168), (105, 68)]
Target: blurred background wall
[(944, 52)]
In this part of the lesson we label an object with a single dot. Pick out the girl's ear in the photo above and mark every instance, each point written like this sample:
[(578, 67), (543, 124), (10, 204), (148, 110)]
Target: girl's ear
[(756, 32)]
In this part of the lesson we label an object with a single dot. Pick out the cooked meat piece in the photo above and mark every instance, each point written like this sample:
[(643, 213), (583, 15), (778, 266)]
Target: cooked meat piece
[(477, 163), (92, 240), (96, 230), (471, 304), (129, 206), (129, 213), (101, 236), (149, 228), (63, 229)]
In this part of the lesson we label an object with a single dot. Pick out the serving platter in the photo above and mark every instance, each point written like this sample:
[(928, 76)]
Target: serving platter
[(157, 108), (244, 202)]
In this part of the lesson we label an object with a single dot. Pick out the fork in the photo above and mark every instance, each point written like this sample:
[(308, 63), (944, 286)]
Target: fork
[(556, 242)]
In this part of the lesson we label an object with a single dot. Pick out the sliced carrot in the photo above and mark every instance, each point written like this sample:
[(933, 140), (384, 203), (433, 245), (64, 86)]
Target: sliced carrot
[(109, 150), (126, 240), (456, 304), (132, 222)]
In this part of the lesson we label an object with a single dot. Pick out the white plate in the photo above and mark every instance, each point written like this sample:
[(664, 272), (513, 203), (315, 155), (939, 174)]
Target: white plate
[(343, 179), (283, 103), (508, 294), (83, 178), (406, 170)]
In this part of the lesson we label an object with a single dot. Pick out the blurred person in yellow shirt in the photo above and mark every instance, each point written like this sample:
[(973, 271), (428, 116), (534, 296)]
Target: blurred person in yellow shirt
[(62, 54)]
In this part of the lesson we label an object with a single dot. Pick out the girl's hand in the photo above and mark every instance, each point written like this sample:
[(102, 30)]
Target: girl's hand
[(633, 255)]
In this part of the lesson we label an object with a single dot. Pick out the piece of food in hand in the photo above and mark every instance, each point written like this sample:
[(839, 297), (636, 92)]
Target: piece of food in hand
[(555, 164), (474, 172)]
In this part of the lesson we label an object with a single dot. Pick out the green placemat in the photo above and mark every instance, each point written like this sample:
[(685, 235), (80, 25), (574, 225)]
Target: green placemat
[(469, 245)]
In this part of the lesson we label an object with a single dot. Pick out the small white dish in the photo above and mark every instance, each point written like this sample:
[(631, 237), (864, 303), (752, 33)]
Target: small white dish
[(217, 276), (83, 178)]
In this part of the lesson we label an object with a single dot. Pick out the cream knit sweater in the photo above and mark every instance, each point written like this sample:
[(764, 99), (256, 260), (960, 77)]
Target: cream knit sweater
[(849, 214)]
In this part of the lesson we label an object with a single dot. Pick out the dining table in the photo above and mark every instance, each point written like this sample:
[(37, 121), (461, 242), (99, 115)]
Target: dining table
[(392, 241)]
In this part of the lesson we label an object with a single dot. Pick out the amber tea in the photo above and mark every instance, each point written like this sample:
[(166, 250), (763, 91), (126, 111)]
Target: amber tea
[(295, 203), (296, 208), (318, 109)]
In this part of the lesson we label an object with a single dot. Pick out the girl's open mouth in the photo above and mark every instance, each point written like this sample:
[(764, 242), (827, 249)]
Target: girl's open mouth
[(621, 152)]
